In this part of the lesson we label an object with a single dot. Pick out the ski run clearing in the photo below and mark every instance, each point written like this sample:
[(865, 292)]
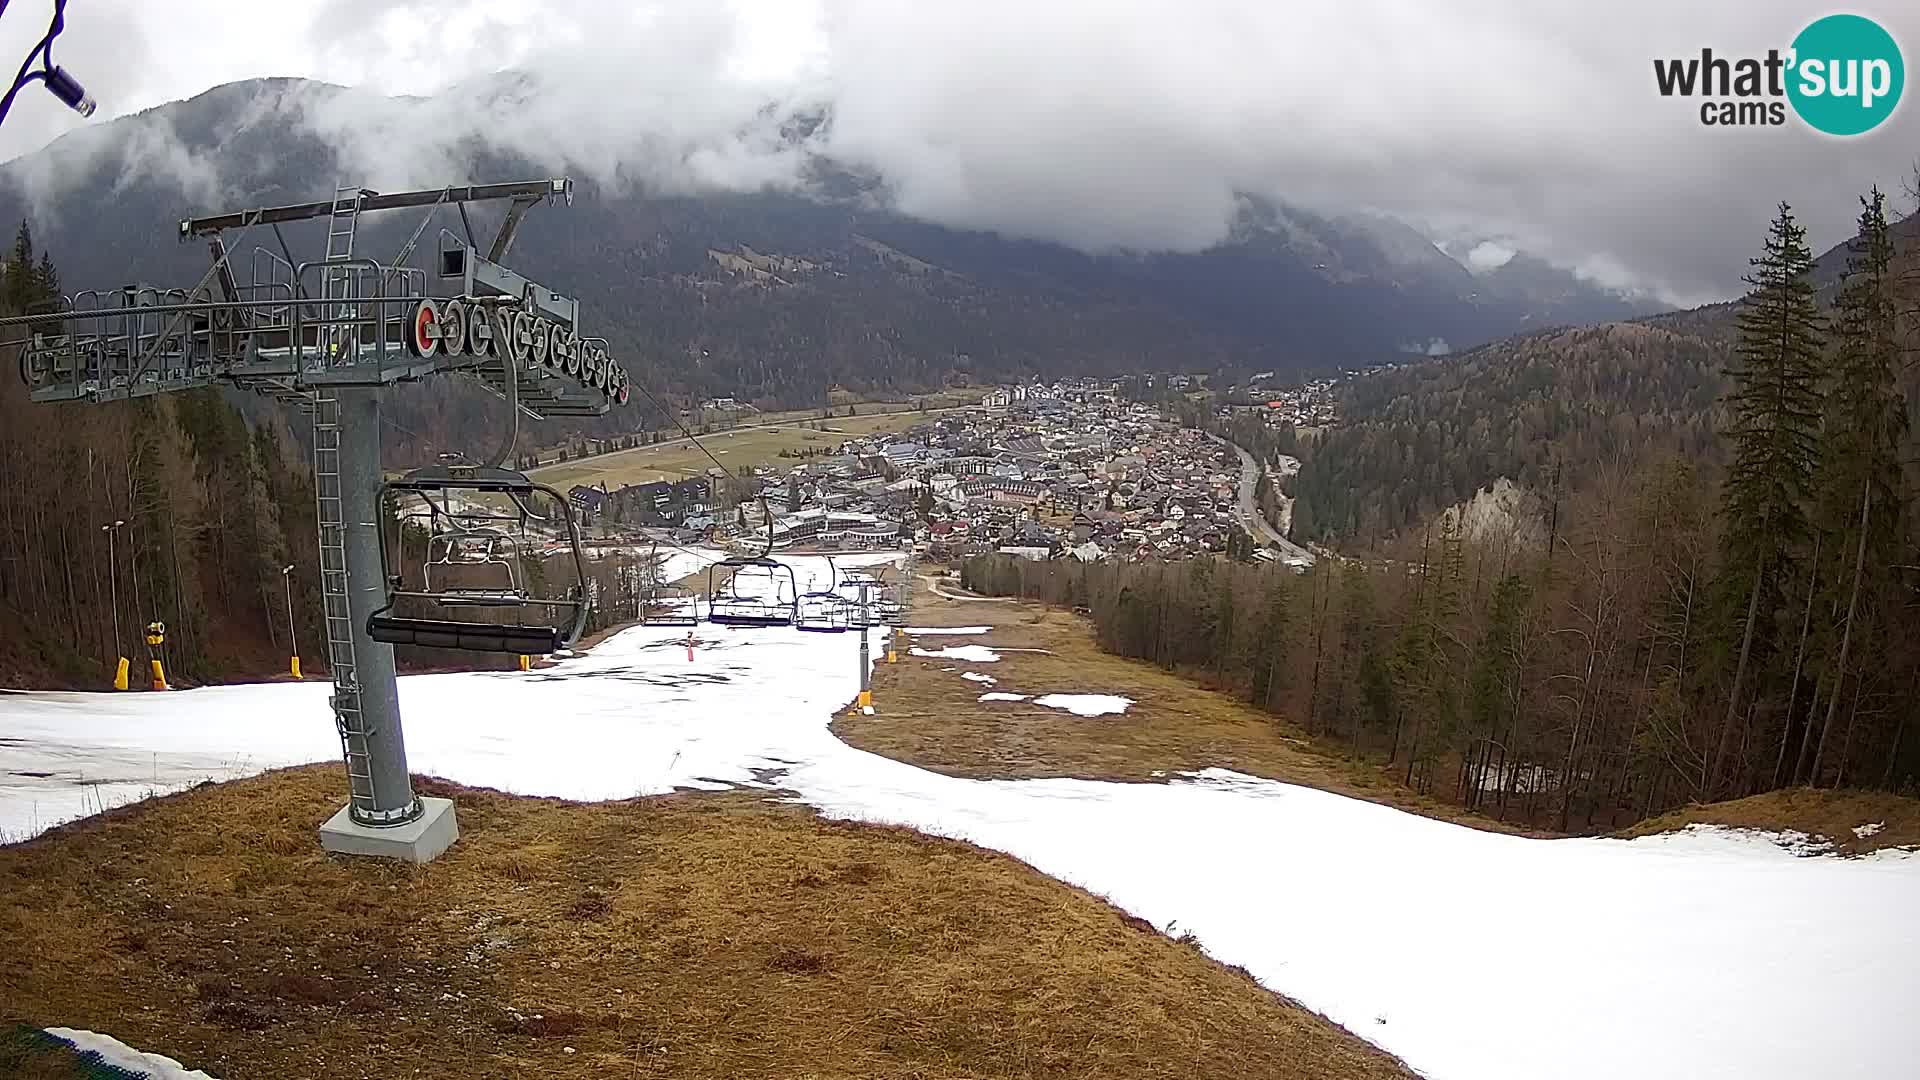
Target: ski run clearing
[(1472, 955)]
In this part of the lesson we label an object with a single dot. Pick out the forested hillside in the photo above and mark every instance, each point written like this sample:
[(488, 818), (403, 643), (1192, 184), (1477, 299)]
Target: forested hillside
[(1549, 410), (1419, 438), (208, 513), (1719, 605)]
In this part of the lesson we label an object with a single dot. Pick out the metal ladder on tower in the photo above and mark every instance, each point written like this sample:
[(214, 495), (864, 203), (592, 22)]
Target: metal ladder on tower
[(347, 716), (339, 343), (336, 288)]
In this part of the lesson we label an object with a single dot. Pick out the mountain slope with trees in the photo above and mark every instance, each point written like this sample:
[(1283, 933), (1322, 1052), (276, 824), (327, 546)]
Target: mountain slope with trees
[(1720, 604), (775, 296), (1549, 410)]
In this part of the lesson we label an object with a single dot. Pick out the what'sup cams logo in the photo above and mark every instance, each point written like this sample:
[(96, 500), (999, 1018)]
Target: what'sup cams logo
[(1842, 75)]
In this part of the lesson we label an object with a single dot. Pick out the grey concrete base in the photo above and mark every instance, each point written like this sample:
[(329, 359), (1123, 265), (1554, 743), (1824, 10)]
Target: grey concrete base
[(420, 840)]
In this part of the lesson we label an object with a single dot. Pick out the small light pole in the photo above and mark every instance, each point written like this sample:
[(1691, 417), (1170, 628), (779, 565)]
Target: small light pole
[(866, 685), (293, 638), (113, 591)]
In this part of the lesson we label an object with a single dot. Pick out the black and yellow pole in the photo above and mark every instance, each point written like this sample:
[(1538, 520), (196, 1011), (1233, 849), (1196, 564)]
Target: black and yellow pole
[(156, 637), (293, 636), (112, 529)]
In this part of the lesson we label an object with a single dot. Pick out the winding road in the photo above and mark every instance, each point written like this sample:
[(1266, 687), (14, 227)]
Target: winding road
[(1250, 514)]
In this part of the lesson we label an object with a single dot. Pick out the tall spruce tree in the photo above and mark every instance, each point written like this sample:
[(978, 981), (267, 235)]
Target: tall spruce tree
[(1859, 480), (1775, 410)]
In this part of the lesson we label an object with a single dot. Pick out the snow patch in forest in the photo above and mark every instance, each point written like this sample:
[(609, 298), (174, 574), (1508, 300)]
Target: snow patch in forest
[(1864, 831), (975, 654), (1086, 704), (975, 676), (1000, 696)]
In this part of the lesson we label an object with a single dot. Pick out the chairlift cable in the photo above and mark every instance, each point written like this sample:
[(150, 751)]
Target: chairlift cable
[(695, 440)]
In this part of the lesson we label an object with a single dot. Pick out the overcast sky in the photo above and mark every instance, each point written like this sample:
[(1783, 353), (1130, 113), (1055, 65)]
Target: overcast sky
[(1530, 124)]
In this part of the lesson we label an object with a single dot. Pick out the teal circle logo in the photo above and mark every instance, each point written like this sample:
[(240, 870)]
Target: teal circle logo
[(1846, 75)]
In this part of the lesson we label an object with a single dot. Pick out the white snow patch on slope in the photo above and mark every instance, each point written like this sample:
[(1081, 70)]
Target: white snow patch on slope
[(1086, 704), (1767, 965), (945, 629), (978, 654), (975, 676), (1864, 831), (999, 696), (121, 1056)]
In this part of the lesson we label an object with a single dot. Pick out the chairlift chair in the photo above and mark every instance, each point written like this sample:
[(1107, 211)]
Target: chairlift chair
[(728, 605), (670, 605), (662, 603), (823, 611), (470, 567), (478, 560)]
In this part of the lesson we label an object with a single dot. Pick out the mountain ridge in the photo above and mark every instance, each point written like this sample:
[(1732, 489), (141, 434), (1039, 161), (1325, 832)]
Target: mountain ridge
[(1289, 290)]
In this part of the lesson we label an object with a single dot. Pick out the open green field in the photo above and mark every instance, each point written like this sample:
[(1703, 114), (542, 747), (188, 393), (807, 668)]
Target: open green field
[(679, 459)]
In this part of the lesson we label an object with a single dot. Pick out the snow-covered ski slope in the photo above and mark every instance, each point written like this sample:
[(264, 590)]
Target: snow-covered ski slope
[(1474, 956)]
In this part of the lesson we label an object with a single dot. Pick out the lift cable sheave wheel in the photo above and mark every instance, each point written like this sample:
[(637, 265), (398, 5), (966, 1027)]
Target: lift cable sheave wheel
[(483, 553)]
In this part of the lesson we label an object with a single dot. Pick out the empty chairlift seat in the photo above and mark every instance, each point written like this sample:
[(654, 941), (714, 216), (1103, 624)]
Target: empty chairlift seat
[(484, 580), (758, 592)]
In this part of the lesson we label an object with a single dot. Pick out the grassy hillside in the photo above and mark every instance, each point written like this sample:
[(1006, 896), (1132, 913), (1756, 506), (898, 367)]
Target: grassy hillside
[(698, 935), (754, 445), (1830, 816), (928, 715)]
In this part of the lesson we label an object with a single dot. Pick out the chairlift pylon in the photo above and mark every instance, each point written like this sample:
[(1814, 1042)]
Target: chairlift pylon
[(481, 555)]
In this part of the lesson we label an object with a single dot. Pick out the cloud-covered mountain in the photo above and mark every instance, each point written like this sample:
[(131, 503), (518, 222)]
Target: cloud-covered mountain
[(723, 274)]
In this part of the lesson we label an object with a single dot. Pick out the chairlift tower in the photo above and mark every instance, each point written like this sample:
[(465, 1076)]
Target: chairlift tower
[(326, 336)]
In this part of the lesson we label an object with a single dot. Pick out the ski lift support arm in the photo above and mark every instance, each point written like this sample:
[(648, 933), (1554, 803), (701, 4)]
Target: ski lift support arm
[(524, 194)]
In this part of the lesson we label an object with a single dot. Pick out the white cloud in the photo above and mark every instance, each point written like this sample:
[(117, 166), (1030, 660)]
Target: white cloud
[(1110, 124), (1488, 255)]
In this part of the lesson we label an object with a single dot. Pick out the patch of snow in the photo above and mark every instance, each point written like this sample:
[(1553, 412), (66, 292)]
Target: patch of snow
[(113, 1052), (998, 696), (977, 654), (977, 677), (1086, 704), (1750, 985), (945, 629), (1864, 831), (1792, 841)]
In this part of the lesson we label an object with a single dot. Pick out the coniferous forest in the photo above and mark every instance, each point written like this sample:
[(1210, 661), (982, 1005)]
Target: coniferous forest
[(1712, 607), (170, 509)]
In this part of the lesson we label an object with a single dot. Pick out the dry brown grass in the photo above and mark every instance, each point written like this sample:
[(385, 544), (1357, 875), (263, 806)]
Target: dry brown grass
[(934, 719), (689, 936), (1830, 815), (30, 1054)]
